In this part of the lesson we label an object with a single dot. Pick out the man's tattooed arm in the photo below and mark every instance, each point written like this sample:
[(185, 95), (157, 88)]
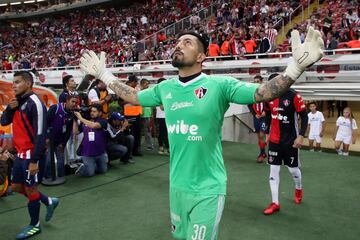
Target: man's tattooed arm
[(273, 89), (125, 92)]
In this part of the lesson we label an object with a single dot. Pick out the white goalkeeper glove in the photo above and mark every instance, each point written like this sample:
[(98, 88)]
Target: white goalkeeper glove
[(91, 64), (306, 54)]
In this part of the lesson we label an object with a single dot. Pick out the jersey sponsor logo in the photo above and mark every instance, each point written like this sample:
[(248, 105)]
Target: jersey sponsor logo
[(168, 96), (280, 117), (23, 107), (180, 127), (178, 105), (278, 109), (272, 153), (200, 92), (286, 102)]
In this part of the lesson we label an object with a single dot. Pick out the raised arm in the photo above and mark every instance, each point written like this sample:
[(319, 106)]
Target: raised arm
[(91, 64), (304, 55)]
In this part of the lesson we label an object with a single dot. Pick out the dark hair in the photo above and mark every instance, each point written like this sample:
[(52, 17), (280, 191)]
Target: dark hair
[(143, 81), (26, 75), (259, 77), (132, 78), (66, 80), (98, 107), (312, 103), (160, 80), (203, 43), (273, 76)]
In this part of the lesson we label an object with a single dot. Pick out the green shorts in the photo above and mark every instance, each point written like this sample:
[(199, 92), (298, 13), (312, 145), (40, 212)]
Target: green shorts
[(195, 217)]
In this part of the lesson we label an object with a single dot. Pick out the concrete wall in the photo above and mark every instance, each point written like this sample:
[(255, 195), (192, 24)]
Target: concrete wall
[(235, 131)]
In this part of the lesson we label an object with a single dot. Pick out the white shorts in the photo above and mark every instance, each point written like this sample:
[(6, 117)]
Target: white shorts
[(317, 138), (342, 138)]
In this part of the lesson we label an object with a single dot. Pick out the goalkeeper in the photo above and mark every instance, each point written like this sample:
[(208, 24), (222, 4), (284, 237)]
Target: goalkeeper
[(197, 173)]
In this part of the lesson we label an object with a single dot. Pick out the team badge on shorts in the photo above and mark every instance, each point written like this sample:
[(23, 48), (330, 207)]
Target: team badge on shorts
[(286, 102), (200, 92), (271, 159)]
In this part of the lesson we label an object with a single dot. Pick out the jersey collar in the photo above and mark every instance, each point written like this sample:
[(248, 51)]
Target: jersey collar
[(191, 81)]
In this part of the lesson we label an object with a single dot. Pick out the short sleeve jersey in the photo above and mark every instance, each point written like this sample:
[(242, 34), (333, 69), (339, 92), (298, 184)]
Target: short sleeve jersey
[(194, 117), (315, 122), (345, 127)]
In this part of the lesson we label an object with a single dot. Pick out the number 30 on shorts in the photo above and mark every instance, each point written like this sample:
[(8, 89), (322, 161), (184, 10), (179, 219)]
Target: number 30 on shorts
[(199, 232)]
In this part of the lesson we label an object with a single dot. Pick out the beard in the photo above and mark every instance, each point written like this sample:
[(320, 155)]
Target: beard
[(181, 63)]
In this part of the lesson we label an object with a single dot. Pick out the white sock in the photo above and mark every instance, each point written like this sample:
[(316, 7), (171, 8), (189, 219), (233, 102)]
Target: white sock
[(274, 181), (296, 174)]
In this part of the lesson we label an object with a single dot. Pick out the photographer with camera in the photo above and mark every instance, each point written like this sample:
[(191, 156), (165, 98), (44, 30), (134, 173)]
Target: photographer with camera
[(93, 145), (120, 142), (60, 121), (6, 159)]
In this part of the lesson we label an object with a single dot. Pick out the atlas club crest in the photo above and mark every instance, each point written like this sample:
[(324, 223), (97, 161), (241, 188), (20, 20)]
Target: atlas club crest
[(200, 92)]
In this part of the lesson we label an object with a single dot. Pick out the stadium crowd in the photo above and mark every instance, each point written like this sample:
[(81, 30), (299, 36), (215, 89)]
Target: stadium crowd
[(58, 40), (238, 28), (338, 23)]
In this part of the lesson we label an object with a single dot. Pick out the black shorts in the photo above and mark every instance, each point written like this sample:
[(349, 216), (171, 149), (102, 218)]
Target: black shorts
[(259, 124), (278, 153)]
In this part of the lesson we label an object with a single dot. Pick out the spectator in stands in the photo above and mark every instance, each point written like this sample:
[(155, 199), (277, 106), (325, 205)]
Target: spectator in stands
[(69, 86), (100, 96), (345, 132), (355, 43), (327, 22), (352, 16), (264, 45), (237, 46), (120, 142), (93, 146), (330, 43), (225, 46), (60, 126), (146, 118), (250, 45), (213, 49), (345, 23), (271, 33)]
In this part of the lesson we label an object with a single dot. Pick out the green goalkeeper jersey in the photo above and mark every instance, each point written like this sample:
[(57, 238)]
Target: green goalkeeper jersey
[(194, 116)]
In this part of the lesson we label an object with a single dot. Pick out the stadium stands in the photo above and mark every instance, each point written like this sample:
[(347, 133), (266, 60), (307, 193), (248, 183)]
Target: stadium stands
[(128, 35), (337, 20), (58, 40)]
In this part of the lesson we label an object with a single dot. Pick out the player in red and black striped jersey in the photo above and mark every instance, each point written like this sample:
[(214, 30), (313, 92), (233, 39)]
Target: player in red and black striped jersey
[(258, 112), (285, 139), (27, 114)]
